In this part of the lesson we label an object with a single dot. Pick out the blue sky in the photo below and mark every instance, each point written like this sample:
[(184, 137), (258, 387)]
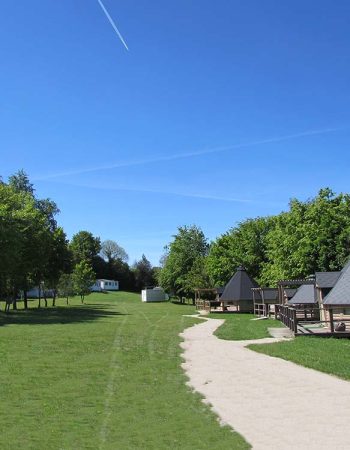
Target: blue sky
[(220, 111)]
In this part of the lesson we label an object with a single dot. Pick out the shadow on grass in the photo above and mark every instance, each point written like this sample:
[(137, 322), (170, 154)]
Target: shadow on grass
[(57, 315)]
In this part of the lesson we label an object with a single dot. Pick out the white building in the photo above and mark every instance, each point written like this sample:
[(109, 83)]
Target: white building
[(156, 294), (105, 285)]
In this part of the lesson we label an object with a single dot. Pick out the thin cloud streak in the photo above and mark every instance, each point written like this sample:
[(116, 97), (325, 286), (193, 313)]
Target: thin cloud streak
[(189, 154), (174, 193), (114, 26)]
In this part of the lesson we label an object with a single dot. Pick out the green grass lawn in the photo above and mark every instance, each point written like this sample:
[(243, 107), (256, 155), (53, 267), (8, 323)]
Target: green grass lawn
[(239, 327), (105, 375), (327, 355)]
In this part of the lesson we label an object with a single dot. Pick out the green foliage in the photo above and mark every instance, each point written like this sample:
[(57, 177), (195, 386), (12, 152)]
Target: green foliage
[(111, 251), (84, 246), (143, 273), (83, 278), (188, 245), (197, 277), (312, 236), (25, 241), (65, 286), (243, 245), (19, 182)]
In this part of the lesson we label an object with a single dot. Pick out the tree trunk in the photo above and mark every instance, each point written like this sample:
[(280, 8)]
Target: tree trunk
[(67, 300), (25, 299), (39, 298), (54, 298), (14, 303)]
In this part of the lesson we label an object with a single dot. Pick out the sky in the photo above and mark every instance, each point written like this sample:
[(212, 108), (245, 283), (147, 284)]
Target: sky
[(217, 112)]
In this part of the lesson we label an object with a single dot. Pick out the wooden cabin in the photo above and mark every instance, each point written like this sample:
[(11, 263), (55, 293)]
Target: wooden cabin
[(336, 304), (238, 292)]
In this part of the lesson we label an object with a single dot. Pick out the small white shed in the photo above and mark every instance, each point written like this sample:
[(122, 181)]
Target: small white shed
[(156, 294)]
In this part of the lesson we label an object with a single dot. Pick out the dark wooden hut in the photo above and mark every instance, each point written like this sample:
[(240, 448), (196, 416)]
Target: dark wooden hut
[(238, 291)]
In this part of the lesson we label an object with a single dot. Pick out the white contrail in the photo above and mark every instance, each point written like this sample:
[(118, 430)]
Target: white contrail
[(187, 155), (173, 193), (111, 21)]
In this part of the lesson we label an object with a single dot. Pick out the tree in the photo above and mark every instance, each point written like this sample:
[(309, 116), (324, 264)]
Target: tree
[(24, 238), (182, 253), (111, 251), (65, 286), (58, 260), (84, 246), (83, 278), (19, 182), (312, 236), (198, 276), (245, 245), (143, 272)]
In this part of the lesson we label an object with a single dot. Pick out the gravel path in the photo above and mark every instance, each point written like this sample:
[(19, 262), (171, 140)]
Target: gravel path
[(274, 404)]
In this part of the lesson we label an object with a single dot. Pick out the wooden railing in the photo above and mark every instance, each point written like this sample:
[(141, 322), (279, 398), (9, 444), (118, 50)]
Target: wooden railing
[(288, 316), (302, 320), (264, 309)]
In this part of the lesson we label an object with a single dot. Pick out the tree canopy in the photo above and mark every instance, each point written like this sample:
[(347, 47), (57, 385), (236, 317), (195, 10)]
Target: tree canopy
[(188, 245)]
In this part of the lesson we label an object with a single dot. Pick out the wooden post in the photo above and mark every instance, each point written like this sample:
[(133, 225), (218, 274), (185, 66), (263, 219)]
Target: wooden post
[(295, 322), (331, 319)]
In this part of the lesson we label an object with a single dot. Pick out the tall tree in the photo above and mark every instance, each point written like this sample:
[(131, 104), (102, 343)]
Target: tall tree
[(111, 251), (245, 245), (144, 275), (83, 278), (188, 245), (84, 246), (23, 236)]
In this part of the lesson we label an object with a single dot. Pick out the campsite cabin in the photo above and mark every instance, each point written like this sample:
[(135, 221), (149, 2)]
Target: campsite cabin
[(238, 292), (305, 296), (305, 302), (101, 285), (336, 304), (288, 294), (324, 283)]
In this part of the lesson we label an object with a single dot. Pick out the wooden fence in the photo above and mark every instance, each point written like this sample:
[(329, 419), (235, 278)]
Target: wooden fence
[(306, 321)]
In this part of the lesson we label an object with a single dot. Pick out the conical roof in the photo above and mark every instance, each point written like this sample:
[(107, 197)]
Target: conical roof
[(239, 287), (306, 294), (340, 294)]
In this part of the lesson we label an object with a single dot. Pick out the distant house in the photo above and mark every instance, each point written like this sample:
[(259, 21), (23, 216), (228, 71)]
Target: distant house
[(105, 285), (238, 291)]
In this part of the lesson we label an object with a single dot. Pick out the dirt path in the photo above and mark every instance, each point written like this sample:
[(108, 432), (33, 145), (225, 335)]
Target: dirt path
[(274, 404)]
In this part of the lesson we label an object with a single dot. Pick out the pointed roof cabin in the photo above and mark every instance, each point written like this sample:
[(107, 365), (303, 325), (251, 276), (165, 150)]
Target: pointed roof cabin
[(340, 294), (238, 290), (305, 295)]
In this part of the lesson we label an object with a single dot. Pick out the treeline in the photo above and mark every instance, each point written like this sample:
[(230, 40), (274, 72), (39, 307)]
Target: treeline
[(35, 251), (313, 235)]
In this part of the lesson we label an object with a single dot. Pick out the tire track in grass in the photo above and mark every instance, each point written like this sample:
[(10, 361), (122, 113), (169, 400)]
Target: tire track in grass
[(110, 389)]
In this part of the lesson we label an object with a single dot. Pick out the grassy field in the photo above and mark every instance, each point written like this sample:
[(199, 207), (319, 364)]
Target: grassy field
[(239, 327), (105, 375), (326, 355)]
